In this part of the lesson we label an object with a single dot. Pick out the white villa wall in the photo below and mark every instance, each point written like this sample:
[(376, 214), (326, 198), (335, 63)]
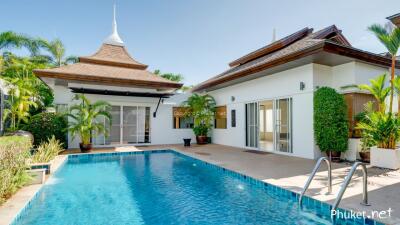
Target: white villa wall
[(286, 84), (161, 127), (280, 85)]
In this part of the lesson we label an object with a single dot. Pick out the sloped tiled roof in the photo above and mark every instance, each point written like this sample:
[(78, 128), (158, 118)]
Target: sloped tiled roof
[(395, 19), (300, 44), (114, 55), (111, 64)]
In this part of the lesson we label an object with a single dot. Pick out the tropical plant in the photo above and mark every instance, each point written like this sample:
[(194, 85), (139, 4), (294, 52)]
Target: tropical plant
[(174, 77), (378, 90), (22, 94), (202, 109), (22, 68), (14, 162), (169, 76), (45, 125), (330, 120), (389, 36), (47, 151), (85, 117), (10, 39), (381, 128), (56, 50)]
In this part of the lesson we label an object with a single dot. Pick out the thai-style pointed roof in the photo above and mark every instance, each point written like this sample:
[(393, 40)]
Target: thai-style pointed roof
[(114, 38), (111, 65), (288, 52)]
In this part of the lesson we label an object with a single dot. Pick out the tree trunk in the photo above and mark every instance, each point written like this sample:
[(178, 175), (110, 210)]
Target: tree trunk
[(392, 83)]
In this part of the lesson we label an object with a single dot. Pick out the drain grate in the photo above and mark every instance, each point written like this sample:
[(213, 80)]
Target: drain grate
[(202, 153), (257, 152)]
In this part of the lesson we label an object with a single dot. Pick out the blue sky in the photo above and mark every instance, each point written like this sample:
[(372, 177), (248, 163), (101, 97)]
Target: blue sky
[(197, 38)]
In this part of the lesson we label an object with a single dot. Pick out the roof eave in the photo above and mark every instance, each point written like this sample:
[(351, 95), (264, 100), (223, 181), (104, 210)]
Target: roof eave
[(295, 55), (112, 63), (326, 46), (275, 46), (108, 80)]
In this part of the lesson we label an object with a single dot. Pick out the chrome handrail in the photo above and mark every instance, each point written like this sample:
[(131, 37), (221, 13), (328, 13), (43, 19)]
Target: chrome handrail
[(347, 181), (310, 178)]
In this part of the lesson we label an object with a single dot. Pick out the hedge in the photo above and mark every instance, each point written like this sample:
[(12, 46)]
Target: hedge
[(14, 159), (45, 125), (330, 120)]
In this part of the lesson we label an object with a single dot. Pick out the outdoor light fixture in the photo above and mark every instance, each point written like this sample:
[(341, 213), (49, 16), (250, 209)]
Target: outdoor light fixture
[(232, 98), (302, 86)]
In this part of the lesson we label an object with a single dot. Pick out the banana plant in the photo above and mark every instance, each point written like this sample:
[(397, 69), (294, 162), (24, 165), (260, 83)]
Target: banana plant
[(85, 118)]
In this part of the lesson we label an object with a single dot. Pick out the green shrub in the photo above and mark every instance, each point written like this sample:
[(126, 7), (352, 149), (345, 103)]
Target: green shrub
[(381, 129), (330, 120), (47, 151), (45, 125), (14, 159)]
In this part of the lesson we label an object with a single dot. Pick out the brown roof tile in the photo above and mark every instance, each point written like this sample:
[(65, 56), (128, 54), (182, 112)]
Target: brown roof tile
[(113, 55), (111, 64), (330, 38)]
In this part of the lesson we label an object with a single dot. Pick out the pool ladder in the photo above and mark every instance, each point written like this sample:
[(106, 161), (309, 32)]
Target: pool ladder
[(310, 178), (344, 185), (347, 181)]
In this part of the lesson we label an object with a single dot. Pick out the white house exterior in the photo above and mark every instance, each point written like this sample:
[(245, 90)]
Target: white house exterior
[(161, 126), (142, 102), (265, 98), (271, 90), (284, 85)]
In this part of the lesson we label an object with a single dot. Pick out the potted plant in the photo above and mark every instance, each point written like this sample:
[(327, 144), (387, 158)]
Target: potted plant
[(383, 125), (366, 143), (330, 122), (85, 120), (201, 132), (202, 109), (383, 128)]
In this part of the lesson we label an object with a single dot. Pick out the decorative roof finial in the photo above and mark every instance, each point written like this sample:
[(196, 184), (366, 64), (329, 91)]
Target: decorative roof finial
[(114, 38)]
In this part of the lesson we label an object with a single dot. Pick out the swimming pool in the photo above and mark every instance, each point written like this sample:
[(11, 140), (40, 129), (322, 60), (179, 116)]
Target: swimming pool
[(163, 187)]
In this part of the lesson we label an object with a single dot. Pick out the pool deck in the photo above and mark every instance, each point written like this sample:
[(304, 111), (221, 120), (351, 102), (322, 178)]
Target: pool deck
[(285, 171)]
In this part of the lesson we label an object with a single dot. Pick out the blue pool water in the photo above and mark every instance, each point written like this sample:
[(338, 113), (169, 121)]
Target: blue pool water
[(162, 187)]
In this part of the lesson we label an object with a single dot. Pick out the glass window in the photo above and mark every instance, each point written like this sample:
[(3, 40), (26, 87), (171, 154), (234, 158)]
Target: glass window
[(61, 108), (220, 117), (180, 120), (233, 118)]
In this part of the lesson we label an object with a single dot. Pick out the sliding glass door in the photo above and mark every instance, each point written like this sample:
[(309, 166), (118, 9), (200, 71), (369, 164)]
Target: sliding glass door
[(252, 125), (269, 125), (129, 125), (283, 131)]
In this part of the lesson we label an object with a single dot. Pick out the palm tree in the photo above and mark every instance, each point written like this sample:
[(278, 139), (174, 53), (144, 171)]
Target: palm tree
[(10, 39), (57, 52), (169, 76), (378, 90), (389, 36), (397, 89), (85, 118), (202, 109), (22, 98)]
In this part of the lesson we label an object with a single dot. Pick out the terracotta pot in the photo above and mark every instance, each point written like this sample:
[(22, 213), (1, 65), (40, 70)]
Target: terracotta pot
[(201, 140), (365, 156), (335, 156), (85, 147)]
